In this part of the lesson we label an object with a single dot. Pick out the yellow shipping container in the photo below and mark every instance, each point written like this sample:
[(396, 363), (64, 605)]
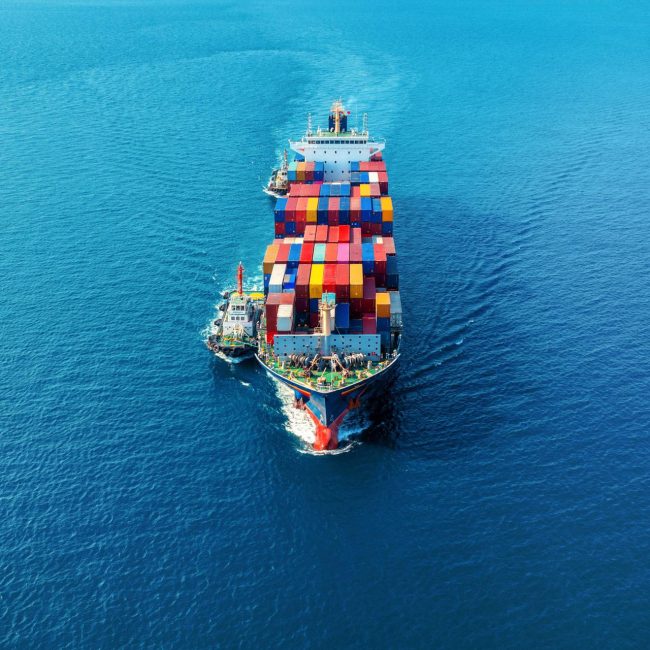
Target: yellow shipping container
[(269, 258), (300, 171), (312, 209), (356, 280), (316, 280), (382, 304), (364, 189), (386, 208)]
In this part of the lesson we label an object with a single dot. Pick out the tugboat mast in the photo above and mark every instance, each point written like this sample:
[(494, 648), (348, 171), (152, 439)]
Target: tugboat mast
[(240, 279)]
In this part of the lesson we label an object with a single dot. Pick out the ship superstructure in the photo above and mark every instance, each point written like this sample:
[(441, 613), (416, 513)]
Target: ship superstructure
[(332, 320)]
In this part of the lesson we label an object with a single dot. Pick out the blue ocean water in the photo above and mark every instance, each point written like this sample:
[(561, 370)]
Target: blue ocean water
[(499, 496)]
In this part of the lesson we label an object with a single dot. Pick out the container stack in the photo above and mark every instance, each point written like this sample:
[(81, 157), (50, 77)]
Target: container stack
[(334, 240), (362, 206), (359, 272), (305, 172)]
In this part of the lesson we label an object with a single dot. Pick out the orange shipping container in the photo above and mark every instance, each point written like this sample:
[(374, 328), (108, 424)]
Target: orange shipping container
[(386, 208), (356, 281), (312, 207), (382, 304), (269, 258)]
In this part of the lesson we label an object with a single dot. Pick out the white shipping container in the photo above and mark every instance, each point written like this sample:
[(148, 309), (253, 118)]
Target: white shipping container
[(285, 318), (373, 177), (277, 276)]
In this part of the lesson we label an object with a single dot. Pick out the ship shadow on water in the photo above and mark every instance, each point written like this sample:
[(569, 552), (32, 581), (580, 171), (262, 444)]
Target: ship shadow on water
[(379, 414)]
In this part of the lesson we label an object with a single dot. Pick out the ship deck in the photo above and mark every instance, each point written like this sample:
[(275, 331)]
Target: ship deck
[(325, 380)]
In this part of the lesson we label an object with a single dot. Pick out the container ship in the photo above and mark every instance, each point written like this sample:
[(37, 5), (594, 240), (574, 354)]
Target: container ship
[(332, 318)]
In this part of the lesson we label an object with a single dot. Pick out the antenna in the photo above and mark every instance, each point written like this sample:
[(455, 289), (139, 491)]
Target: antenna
[(308, 123)]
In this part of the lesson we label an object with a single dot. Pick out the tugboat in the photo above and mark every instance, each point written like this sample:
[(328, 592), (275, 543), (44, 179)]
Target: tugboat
[(278, 184), (234, 334)]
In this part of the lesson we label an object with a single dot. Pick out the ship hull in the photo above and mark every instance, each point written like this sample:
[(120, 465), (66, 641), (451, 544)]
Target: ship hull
[(328, 409), (231, 353)]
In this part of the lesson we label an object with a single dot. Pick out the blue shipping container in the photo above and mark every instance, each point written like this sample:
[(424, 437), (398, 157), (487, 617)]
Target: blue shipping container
[(356, 325), (366, 208), (294, 253), (313, 305), (383, 324), (342, 315), (325, 189), (290, 228)]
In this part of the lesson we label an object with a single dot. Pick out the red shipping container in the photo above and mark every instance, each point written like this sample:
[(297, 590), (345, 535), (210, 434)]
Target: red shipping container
[(329, 278), (270, 335), (331, 253), (307, 250), (279, 229), (356, 307), (333, 237), (369, 293), (344, 233), (314, 319), (380, 259), (283, 254), (301, 210), (302, 281), (355, 192), (355, 237), (321, 234), (333, 207), (366, 228), (310, 233), (300, 228), (343, 253), (273, 301), (374, 189), (302, 305), (375, 229), (290, 209), (380, 280), (389, 245), (342, 282), (369, 324), (355, 254), (355, 208), (383, 182)]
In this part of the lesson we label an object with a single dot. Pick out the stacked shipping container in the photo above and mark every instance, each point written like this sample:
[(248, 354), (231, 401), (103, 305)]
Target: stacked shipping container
[(333, 238), (363, 206)]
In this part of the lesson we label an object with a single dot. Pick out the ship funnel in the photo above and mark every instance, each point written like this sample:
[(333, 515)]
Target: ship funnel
[(338, 118)]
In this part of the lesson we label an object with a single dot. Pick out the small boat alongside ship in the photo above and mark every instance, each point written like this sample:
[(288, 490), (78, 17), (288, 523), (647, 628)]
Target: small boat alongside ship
[(234, 334), (278, 184)]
